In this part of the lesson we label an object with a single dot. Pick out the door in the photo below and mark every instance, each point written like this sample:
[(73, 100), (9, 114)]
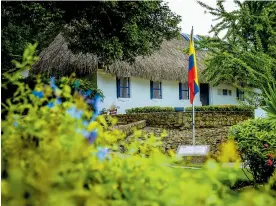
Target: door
[(204, 94)]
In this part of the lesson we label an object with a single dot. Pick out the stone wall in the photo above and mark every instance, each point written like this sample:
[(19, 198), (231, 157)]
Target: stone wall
[(203, 136), (128, 128), (182, 120)]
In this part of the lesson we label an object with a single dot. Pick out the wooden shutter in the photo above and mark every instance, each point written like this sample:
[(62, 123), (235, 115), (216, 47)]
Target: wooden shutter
[(151, 89), (118, 87), (180, 91)]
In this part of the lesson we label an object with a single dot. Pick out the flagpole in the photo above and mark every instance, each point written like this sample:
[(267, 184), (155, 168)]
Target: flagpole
[(193, 124)]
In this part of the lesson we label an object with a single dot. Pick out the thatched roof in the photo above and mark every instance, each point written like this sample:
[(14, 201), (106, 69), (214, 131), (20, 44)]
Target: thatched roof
[(168, 63), (57, 59)]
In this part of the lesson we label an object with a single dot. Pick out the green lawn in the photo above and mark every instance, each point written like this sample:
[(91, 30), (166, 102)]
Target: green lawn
[(244, 177)]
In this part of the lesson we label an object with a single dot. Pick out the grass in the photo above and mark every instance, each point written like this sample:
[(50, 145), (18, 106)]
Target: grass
[(244, 178)]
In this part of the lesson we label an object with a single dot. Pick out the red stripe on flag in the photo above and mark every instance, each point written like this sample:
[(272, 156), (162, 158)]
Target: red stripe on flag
[(191, 82)]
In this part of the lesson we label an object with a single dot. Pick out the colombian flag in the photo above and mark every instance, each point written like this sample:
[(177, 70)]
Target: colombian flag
[(192, 72)]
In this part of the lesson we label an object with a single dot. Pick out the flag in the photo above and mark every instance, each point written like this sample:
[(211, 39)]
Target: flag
[(192, 71)]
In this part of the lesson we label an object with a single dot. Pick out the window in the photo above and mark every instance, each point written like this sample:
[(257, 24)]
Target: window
[(225, 92), (155, 90), (183, 91), (123, 87), (229, 92), (240, 95)]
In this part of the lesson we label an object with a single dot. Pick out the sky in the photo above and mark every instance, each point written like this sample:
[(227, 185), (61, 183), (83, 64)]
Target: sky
[(193, 14)]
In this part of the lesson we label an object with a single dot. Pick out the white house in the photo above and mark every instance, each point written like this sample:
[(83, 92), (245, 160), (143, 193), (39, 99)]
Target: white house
[(129, 92), (156, 80), (160, 80)]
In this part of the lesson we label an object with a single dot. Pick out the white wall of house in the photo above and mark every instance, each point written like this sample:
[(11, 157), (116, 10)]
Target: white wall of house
[(139, 94), (220, 99)]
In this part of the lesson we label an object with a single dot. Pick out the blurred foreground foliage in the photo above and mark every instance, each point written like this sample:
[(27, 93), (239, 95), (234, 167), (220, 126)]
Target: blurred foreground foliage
[(56, 154)]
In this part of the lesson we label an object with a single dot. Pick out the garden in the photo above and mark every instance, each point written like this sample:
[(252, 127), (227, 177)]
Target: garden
[(57, 148)]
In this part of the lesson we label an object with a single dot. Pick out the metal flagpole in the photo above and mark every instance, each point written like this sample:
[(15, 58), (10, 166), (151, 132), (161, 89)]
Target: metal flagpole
[(193, 100), (193, 124), (193, 150)]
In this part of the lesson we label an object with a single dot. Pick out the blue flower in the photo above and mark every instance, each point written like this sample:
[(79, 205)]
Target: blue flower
[(96, 104), (58, 101), (15, 124), (74, 112), (88, 92), (85, 94), (85, 123), (84, 132), (90, 101), (52, 83), (51, 104), (102, 153), (38, 94), (92, 136)]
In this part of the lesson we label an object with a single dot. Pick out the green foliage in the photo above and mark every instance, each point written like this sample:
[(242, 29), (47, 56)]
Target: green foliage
[(222, 108), (256, 140), (245, 55), (47, 161), (113, 30), (25, 22), (270, 101), (149, 109), (83, 84)]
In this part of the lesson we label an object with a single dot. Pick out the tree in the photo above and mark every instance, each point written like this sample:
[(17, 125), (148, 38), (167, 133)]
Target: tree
[(246, 54), (23, 23), (110, 29)]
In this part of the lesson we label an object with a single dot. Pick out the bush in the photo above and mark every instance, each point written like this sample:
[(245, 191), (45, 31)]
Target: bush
[(256, 140), (83, 85), (222, 108), (149, 109), (64, 154)]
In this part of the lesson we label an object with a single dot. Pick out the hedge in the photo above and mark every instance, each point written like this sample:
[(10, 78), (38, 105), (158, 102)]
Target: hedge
[(222, 108), (149, 109)]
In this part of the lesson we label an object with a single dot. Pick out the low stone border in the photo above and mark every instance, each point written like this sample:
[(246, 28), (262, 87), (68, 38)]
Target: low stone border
[(127, 129)]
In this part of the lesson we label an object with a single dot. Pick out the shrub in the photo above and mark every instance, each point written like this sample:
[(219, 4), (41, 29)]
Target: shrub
[(149, 109), (222, 108), (256, 140), (56, 154), (84, 86)]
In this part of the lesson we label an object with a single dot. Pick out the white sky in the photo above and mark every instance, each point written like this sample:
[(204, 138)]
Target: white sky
[(193, 14)]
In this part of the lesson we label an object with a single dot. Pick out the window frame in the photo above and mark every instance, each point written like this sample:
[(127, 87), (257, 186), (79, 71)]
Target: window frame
[(153, 89), (224, 92), (118, 82), (182, 90)]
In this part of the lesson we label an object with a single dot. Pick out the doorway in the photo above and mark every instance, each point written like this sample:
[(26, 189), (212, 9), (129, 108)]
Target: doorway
[(204, 94)]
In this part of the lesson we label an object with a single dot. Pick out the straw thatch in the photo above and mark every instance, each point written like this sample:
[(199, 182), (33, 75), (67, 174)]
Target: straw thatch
[(168, 63), (58, 60)]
